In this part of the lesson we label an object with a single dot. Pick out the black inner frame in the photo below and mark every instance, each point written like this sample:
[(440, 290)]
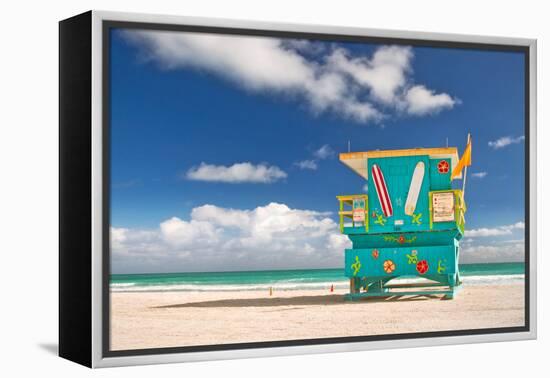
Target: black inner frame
[(107, 25)]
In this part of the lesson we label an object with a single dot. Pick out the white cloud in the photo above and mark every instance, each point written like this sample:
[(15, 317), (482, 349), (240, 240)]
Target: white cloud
[(254, 62), (324, 152), (497, 252), (142, 241), (421, 100), (118, 235), (221, 216), (497, 231), (304, 46), (514, 241), (338, 242), (215, 238), (479, 175), (236, 173), (307, 164), (384, 74), (181, 233), (355, 87), (515, 226), (505, 141), (361, 112)]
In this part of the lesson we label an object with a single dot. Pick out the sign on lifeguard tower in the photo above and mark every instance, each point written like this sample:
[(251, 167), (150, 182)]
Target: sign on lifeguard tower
[(408, 225)]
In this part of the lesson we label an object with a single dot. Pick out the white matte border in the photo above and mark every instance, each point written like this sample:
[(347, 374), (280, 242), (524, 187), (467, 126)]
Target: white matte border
[(97, 183)]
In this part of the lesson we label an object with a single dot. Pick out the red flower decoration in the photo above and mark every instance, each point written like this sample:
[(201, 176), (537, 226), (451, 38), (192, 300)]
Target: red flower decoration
[(443, 166), (401, 239), (422, 266), (375, 254)]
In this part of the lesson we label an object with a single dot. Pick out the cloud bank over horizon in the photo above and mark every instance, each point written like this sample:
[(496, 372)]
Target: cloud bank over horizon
[(496, 231), (359, 88), (274, 236), (496, 251), (214, 238)]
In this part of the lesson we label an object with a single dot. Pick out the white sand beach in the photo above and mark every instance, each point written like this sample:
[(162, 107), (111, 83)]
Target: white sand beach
[(171, 319)]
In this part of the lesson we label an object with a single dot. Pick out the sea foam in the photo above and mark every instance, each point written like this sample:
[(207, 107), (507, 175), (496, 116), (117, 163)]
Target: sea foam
[(300, 285)]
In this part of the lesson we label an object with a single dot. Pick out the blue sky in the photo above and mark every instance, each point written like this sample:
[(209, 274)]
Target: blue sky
[(203, 136)]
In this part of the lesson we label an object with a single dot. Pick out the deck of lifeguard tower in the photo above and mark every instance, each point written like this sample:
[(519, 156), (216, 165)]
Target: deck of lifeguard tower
[(390, 242)]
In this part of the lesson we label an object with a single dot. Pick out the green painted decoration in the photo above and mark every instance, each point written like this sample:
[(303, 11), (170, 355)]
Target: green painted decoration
[(356, 266), (401, 239), (417, 219), (441, 268), (412, 258), (379, 219)]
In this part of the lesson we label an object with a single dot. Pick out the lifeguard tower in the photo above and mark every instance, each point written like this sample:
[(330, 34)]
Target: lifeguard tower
[(408, 225)]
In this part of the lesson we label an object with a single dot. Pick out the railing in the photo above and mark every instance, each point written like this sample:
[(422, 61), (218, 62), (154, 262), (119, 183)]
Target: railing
[(349, 207), (460, 210), (459, 207), (355, 204)]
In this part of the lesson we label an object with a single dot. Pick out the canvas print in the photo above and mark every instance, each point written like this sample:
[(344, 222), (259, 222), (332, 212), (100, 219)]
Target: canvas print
[(276, 189)]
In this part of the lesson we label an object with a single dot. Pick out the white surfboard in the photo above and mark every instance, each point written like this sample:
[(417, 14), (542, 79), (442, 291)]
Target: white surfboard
[(414, 189)]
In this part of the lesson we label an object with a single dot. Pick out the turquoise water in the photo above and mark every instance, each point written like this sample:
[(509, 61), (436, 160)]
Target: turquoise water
[(491, 269), (288, 279)]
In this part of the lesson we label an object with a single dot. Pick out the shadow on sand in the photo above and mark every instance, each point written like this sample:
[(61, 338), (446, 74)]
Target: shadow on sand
[(311, 300)]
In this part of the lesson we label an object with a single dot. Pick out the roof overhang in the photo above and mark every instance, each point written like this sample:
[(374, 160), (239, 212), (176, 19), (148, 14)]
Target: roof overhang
[(358, 161)]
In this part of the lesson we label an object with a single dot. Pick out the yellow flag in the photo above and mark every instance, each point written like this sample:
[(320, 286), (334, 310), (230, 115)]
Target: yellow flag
[(465, 160)]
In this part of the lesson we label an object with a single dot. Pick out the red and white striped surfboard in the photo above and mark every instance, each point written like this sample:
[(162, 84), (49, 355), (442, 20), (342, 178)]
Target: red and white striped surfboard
[(382, 191)]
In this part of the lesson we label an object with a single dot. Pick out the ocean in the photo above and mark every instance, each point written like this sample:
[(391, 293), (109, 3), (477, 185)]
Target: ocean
[(322, 279)]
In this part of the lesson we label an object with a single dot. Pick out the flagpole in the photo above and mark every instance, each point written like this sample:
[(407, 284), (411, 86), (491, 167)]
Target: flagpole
[(465, 171), (464, 181)]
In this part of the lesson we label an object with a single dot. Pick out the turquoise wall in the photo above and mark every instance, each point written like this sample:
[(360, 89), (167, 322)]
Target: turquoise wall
[(438, 180), (398, 173), (440, 260)]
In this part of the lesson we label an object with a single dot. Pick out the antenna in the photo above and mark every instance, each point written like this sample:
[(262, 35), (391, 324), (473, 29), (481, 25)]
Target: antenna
[(349, 145), (447, 142)]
